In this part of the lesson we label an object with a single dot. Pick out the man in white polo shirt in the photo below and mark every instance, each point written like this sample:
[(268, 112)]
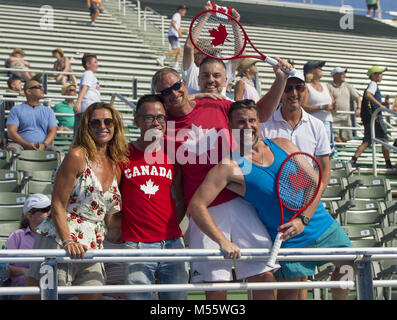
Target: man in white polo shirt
[(308, 133), (292, 122)]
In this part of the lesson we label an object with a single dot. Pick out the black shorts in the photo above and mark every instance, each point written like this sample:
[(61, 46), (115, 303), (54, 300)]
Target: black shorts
[(372, 6), (379, 132)]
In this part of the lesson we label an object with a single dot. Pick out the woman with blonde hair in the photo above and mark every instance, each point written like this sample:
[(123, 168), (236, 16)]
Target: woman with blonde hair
[(85, 197), (318, 99), (245, 88), (62, 64)]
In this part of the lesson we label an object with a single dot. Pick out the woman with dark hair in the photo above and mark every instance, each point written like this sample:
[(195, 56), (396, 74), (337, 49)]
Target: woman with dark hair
[(62, 64), (85, 197)]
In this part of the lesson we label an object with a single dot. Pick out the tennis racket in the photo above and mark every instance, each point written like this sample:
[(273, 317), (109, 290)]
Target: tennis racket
[(219, 35), (298, 183)]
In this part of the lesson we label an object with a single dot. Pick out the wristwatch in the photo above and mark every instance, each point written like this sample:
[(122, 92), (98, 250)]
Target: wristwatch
[(305, 220)]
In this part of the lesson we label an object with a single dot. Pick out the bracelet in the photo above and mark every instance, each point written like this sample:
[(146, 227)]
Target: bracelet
[(65, 242)]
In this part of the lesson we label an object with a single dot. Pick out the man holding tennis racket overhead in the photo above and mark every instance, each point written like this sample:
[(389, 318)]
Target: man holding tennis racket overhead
[(256, 176), (192, 58), (199, 138)]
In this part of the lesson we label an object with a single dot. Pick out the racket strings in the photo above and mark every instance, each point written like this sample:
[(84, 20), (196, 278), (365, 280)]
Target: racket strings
[(298, 182), (217, 36)]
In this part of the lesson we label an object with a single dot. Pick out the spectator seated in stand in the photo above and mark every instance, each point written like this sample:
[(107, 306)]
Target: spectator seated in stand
[(62, 64), (66, 106), (17, 61), (31, 125), (14, 90)]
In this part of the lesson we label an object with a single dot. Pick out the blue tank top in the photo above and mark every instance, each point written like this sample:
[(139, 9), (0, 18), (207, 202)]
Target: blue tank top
[(262, 194)]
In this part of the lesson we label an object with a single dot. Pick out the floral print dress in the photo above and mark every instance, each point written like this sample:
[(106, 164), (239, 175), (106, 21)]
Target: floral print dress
[(86, 211)]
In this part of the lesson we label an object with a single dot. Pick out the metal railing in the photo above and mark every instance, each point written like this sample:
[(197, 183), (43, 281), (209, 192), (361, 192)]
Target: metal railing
[(376, 140), (361, 280)]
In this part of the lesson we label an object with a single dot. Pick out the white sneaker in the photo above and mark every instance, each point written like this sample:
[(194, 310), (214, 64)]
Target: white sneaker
[(93, 24), (160, 61)]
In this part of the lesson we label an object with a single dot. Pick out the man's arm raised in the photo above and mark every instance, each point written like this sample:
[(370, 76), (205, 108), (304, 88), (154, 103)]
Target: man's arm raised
[(270, 101)]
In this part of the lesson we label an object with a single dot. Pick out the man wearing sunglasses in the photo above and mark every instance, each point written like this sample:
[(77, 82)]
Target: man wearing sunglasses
[(197, 134), (308, 133), (292, 122), (31, 125)]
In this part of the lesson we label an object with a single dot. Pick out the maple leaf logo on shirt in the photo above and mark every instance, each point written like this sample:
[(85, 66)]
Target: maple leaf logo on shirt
[(149, 188), (201, 140), (220, 35)]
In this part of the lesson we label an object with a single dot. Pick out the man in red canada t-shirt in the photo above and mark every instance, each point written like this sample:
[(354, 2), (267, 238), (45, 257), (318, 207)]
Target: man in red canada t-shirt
[(150, 214), (197, 139)]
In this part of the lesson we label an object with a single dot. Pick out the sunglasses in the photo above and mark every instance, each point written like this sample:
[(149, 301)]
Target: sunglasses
[(43, 210), (149, 119), (36, 87), (298, 87), (96, 123), (176, 86)]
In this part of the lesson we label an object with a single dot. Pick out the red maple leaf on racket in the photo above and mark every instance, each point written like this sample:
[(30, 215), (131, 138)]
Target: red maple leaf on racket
[(220, 35), (299, 180)]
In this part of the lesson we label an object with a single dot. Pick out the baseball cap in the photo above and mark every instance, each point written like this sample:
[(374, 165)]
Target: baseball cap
[(375, 69), (182, 7), (311, 64), (299, 75), (338, 70), (36, 201)]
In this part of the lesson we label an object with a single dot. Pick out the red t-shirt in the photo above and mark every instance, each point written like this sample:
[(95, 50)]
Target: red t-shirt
[(148, 208), (202, 139)]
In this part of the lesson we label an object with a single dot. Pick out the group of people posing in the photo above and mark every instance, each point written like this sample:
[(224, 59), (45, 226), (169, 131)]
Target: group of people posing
[(187, 162)]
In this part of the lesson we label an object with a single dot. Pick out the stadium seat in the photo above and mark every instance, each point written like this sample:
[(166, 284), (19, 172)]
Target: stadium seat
[(336, 189), (34, 160), (370, 188), (11, 205), (340, 169), (9, 181), (362, 212), (387, 236), (387, 270)]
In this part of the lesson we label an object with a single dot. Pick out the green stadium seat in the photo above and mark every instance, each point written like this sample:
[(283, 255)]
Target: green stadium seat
[(362, 212), (336, 189), (370, 188), (11, 205)]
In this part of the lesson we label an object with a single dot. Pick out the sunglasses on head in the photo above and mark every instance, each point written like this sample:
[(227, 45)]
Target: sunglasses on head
[(43, 210), (96, 123), (298, 87), (176, 86)]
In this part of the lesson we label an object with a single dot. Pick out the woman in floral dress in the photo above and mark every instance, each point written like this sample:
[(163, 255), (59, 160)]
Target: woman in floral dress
[(84, 198)]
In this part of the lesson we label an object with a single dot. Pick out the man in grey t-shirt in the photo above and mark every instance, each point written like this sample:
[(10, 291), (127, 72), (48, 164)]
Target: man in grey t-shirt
[(344, 94)]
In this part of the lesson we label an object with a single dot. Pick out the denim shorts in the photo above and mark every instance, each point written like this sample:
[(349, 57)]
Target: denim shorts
[(333, 237), (138, 273)]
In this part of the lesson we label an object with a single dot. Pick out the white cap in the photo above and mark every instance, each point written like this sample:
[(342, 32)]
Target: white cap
[(299, 75), (36, 201), (338, 70)]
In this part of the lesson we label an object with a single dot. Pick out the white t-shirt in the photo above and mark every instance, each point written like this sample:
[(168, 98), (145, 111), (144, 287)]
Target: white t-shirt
[(317, 98), (309, 135), (372, 87), (93, 93), (191, 77), (177, 18)]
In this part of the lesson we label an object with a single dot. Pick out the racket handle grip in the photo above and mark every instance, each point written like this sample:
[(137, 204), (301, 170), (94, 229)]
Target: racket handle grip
[(274, 63), (276, 247)]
